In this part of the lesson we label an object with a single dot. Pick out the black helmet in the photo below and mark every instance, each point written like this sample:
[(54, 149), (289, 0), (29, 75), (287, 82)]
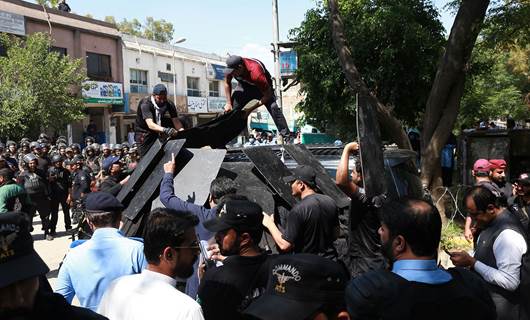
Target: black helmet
[(34, 144), (44, 136), (57, 158), (24, 139), (61, 140), (29, 157), (125, 145), (61, 145), (11, 143), (95, 146), (24, 144), (117, 147), (89, 138), (75, 146), (78, 158)]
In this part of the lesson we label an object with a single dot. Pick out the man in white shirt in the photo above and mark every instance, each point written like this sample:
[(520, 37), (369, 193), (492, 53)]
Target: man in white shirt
[(499, 250), (171, 248)]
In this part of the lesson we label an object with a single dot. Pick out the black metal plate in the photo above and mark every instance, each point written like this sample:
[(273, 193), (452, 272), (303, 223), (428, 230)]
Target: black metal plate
[(152, 183), (248, 184), (142, 171), (272, 169), (303, 156), (192, 183)]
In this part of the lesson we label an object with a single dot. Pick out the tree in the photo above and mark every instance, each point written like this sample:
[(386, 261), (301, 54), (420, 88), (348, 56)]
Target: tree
[(38, 87), (158, 30), (395, 60), (497, 86)]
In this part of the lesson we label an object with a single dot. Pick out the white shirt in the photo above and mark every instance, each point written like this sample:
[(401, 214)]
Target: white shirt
[(508, 249), (149, 295)]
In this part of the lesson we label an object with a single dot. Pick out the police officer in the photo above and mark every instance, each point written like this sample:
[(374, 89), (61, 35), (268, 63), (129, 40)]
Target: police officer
[(76, 148), (24, 149), (92, 161), (151, 111), (59, 179), (44, 159), (80, 182), (36, 184)]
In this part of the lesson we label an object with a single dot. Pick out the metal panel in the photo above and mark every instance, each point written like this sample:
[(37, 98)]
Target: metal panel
[(303, 156), (148, 189), (192, 183), (273, 170)]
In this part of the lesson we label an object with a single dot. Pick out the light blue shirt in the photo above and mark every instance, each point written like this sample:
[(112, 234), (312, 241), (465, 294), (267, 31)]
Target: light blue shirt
[(89, 268), (424, 271)]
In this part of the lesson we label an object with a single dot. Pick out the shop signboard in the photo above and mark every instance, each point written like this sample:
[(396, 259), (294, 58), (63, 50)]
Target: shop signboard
[(288, 63), (103, 92), (216, 104), (197, 105)]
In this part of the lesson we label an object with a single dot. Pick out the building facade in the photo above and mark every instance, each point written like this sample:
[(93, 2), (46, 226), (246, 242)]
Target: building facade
[(194, 79), (96, 42)]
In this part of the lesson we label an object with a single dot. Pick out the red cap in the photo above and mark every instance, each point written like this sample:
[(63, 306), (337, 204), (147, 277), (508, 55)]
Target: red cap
[(481, 165), (497, 164)]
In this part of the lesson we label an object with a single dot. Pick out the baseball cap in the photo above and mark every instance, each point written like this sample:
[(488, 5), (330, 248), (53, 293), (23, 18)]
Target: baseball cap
[(497, 164), (159, 89), (298, 286), (18, 259), (237, 214), (481, 165), (304, 173), (524, 179), (232, 62), (101, 202)]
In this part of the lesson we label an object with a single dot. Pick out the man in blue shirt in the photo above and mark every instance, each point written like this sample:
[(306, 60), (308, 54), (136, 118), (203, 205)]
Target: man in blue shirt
[(219, 188), (416, 288), (89, 268)]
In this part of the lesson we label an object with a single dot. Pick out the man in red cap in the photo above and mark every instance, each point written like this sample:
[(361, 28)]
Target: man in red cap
[(498, 177), (481, 173)]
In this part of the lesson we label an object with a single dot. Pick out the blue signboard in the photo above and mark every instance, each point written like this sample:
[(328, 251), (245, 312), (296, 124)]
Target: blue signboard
[(288, 62), (219, 71)]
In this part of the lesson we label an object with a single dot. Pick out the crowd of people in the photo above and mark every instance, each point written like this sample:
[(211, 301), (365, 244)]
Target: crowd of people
[(39, 176), (205, 262)]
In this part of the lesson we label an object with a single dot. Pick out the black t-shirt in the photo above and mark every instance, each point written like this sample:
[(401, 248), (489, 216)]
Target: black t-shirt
[(311, 226), (43, 163), (146, 110), (226, 290), (364, 250), (506, 188)]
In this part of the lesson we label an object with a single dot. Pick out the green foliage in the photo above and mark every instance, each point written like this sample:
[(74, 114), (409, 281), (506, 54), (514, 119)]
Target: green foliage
[(158, 30), (395, 45), (497, 85), (39, 89)]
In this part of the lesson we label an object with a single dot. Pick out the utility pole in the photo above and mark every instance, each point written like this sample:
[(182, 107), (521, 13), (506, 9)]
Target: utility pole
[(275, 39)]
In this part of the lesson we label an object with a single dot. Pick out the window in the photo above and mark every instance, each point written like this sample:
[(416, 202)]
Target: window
[(214, 89), (98, 67), (60, 51), (193, 87), (138, 81), (168, 66)]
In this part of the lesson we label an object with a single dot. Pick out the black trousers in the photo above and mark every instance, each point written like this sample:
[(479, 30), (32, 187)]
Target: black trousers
[(41, 203), (54, 211), (242, 95)]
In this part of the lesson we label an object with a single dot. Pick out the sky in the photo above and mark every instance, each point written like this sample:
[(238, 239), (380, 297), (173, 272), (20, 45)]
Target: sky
[(242, 27)]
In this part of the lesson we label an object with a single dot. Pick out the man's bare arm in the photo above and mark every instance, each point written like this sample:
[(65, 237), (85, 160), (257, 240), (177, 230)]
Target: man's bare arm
[(341, 177)]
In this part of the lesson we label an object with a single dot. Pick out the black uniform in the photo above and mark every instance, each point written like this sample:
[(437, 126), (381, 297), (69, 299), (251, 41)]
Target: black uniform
[(311, 226), (43, 163), (238, 281), (146, 110), (38, 189), (80, 184), (59, 185)]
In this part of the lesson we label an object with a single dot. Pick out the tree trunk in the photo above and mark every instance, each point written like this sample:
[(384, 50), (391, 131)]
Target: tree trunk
[(444, 100), (388, 123)]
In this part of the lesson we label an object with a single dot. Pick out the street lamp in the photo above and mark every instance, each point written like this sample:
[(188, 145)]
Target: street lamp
[(179, 40)]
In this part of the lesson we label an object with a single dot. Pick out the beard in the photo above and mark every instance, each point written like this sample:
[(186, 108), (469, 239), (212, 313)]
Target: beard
[(185, 271), (386, 250), (231, 250)]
